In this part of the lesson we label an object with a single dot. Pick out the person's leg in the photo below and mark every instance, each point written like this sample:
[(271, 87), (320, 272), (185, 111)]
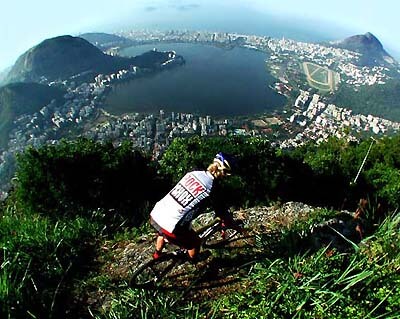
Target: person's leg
[(195, 255), (189, 240), (186, 239), (193, 252), (160, 242)]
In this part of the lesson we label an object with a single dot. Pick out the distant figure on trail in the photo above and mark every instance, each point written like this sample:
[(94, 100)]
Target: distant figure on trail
[(359, 215), (377, 212), (172, 216)]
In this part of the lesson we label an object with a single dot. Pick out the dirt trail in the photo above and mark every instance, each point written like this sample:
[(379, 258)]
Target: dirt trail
[(221, 272)]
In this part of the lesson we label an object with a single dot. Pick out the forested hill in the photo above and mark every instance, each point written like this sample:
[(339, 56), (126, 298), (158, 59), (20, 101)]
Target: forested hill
[(60, 58), (371, 49), (378, 100)]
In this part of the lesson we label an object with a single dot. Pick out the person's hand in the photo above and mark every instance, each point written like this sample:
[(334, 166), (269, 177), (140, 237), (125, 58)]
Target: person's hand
[(240, 228), (233, 224)]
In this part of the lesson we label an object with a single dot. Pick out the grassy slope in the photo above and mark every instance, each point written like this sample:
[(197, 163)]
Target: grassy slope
[(270, 274)]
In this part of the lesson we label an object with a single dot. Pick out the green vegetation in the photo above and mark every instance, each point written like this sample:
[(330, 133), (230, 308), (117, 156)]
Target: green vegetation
[(67, 197), (317, 174), (74, 203), (378, 100), (359, 283), (23, 98), (40, 257), (326, 284), (62, 57), (74, 178), (59, 58), (320, 78), (312, 67), (257, 168)]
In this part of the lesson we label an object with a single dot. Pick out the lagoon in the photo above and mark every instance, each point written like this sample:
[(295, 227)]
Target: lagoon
[(213, 81)]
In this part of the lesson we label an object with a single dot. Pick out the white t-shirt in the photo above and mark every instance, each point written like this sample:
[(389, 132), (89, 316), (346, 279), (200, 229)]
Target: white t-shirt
[(179, 205)]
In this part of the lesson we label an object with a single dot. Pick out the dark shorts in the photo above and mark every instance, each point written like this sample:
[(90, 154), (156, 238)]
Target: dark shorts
[(182, 237)]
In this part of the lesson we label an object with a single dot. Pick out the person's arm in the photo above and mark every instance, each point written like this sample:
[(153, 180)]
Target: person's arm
[(221, 209), (218, 201)]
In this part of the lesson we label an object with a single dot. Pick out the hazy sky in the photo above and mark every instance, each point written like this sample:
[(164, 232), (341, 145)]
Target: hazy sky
[(25, 23)]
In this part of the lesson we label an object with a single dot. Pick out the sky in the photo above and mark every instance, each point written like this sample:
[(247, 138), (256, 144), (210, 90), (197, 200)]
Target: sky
[(24, 24)]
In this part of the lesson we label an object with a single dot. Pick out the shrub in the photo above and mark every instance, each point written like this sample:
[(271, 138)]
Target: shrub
[(74, 177), (255, 168)]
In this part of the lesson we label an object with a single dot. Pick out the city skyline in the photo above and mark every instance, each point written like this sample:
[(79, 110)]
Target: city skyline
[(25, 24)]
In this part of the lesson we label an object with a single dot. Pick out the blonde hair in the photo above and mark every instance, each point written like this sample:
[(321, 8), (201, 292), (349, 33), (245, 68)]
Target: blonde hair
[(214, 169)]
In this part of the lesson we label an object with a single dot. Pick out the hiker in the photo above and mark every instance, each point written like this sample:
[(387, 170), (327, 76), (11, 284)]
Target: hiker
[(359, 215), (172, 216)]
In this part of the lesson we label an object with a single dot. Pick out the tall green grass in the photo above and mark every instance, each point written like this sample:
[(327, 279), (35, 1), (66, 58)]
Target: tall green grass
[(42, 260), (325, 284), (38, 259), (142, 304)]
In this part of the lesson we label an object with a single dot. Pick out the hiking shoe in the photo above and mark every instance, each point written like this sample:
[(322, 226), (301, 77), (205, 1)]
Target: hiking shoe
[(157, 254), (181, 253), (200, 257)]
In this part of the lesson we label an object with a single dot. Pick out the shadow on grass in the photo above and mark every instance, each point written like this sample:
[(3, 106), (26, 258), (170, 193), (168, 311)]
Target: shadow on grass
[(231, 263)]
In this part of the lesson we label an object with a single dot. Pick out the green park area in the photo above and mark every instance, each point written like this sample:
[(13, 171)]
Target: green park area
[(320, 78)]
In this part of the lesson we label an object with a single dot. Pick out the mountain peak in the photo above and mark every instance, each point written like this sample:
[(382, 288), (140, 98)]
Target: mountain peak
[(363, 41), (59, 57), (369, 47), (369, 35)]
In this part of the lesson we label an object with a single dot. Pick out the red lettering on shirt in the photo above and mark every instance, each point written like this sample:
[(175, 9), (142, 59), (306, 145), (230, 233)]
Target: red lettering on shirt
[(193, 185)]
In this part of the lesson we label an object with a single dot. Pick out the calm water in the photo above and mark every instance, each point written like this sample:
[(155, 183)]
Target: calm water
[(213, 81)]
